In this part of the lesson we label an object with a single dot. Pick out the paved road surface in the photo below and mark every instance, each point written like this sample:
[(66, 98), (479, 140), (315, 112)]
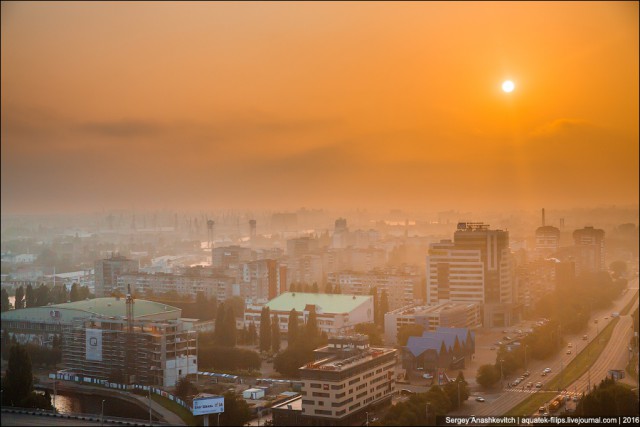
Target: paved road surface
[(499, 403)]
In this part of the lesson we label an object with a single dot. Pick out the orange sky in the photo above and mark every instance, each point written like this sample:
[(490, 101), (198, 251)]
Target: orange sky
[(282, 105)]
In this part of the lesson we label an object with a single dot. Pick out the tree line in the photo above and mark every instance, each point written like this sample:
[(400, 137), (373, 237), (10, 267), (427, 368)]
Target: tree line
[(43, 295), (422, 409)]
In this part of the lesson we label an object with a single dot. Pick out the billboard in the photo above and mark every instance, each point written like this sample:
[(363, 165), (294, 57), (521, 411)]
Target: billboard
[(94, 344), (208, 405)]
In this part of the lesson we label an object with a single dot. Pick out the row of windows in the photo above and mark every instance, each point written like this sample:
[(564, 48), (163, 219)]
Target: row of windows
[(322, 412), (316, 394), (344, 402)]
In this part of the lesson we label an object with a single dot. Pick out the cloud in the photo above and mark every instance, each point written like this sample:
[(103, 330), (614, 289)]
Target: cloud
[(122, 128), (558, 126)]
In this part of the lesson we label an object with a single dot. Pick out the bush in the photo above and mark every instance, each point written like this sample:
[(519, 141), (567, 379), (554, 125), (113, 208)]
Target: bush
[(228, 358)]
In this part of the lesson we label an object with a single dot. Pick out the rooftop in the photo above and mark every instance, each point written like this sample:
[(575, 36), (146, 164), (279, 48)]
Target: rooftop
[(106, 307), (337, 363), (325, 303)]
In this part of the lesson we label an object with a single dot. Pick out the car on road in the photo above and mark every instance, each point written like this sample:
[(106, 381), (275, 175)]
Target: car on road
[(570, 345), (584, 338), (575, 398), (406, 392), (543, 374), (568, 351), (529, 384), (427, 376), (606, 318), (527, 373), (547, 370), (479, 399), (538, 384)]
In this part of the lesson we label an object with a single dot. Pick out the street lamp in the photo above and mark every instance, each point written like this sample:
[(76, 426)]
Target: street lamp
[(427, 412), (367, 423), (501, 374), (102, 414), (150, 419)]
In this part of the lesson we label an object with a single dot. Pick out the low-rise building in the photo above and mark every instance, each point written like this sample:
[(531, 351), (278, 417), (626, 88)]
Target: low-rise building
[(335, 313), (449, 315), (346, 379)]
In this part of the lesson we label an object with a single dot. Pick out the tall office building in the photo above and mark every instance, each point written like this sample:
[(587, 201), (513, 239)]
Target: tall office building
[(108, 270), (476, 267), (589, 246)]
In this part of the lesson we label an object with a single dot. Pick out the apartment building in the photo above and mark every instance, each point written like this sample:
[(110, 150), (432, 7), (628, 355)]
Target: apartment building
[(401, 289), (218, 286)]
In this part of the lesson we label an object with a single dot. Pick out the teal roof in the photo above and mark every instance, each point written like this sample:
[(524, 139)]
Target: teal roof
[(107, 307), (327, 303)]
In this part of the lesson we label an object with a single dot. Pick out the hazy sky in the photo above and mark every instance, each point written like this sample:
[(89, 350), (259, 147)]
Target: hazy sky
[(282, 105)]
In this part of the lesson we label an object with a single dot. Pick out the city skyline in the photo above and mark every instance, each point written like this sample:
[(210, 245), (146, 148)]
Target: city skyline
[(271, 105)]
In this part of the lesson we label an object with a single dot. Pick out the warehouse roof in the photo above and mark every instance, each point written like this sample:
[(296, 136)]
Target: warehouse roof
[(325, 303), (106, 307)]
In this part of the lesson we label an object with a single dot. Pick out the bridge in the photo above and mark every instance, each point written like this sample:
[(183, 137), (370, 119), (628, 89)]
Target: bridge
[(10, 413)]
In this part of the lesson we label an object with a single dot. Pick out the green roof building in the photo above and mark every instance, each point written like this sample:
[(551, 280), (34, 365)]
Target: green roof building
[(337, 314)]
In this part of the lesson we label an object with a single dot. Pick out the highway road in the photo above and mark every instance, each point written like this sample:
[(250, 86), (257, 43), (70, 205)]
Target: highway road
[(500, 403)]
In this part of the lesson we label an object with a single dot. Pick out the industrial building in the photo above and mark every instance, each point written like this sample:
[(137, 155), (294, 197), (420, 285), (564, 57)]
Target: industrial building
[(117, 339)]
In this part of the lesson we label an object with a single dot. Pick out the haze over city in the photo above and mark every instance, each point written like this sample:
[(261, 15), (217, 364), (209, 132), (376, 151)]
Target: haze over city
[(319, 213), (336, 105)]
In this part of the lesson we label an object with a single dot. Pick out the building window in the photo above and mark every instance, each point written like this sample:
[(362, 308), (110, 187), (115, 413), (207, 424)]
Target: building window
[(322, 412), (315, 385), (316, 394), (337, 387)]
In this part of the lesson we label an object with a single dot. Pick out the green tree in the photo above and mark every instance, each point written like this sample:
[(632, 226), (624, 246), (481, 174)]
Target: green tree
[(30, 297), (74, 295), (384, 307), (19, 303), (609, 399), (275, 337), (619, 268), (219, 332), (18, 380), (230, 327), (253, 334), (487, 375), (236, 411), (371, 330), (6, 344), (42, 296), (457, 390), (292, 332), (311, 328), (406, 331), (6, 305), (185, 388), (265, 329)]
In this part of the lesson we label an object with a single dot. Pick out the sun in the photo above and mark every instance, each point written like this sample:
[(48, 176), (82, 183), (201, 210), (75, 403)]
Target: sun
[(508, 86)]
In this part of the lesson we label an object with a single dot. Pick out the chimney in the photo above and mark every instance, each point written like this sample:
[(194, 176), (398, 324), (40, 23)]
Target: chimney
[(543, 217)]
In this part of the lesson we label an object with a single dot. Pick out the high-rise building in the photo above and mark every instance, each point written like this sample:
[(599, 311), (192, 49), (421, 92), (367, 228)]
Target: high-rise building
[(108, 270), (547, 241), (589, 245), (476, 267)]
